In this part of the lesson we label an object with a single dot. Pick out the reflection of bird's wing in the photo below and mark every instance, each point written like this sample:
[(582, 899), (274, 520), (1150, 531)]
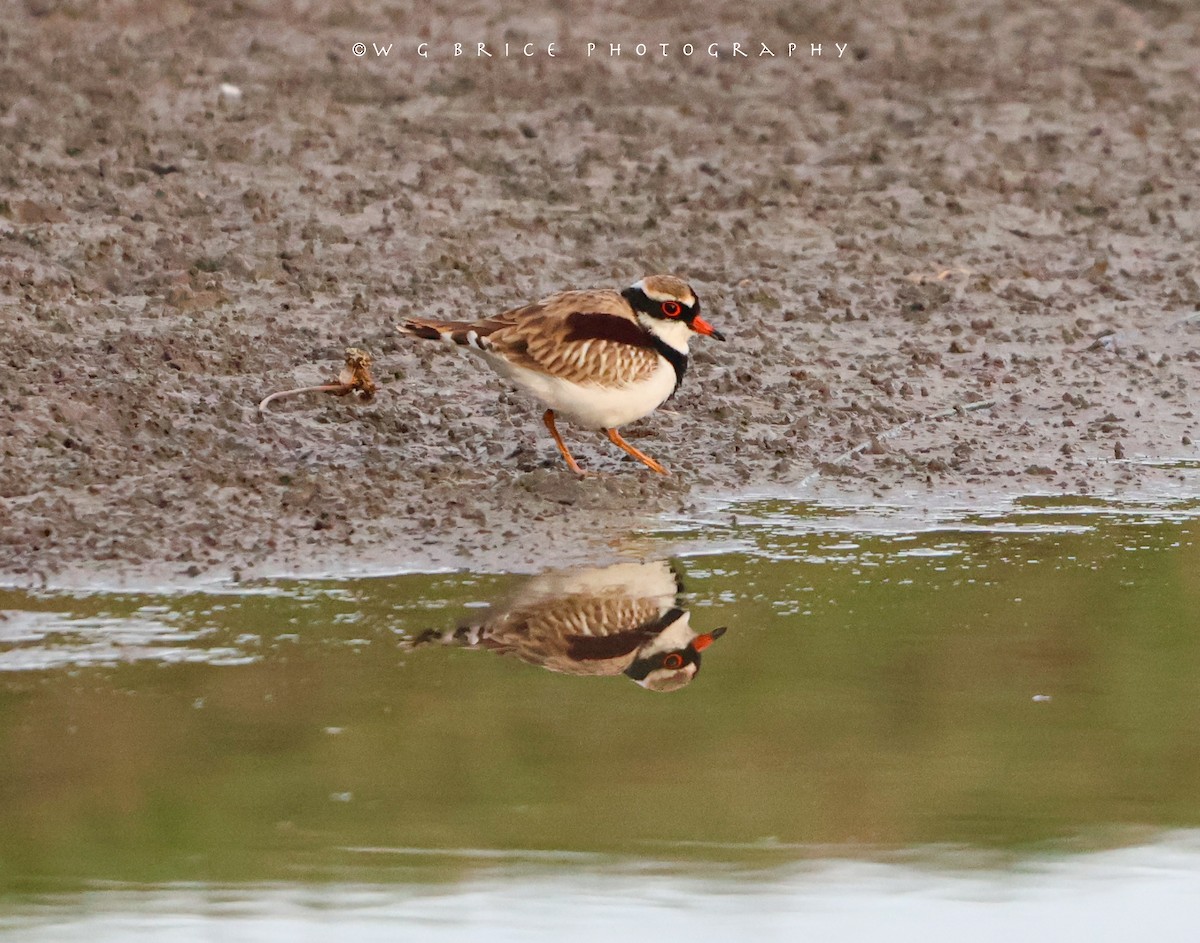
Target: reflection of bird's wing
[(579, 634)]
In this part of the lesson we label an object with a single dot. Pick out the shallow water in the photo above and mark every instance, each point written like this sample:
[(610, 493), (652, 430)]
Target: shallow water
[(1138, 893), (912, 713)]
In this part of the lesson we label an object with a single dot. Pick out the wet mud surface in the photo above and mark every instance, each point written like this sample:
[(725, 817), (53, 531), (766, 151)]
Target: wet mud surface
[(976, 202)]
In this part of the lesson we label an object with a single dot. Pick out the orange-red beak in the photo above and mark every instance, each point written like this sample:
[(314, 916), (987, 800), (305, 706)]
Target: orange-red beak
[(701, 642), (700, 326)]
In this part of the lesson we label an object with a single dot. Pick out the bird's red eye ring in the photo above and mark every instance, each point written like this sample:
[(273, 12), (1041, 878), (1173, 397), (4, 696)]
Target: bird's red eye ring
[(671, 309), (674, 660)]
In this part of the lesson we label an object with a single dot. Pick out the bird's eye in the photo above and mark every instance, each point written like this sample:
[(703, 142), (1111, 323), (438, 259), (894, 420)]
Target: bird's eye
[(674, 660), (671, 309)]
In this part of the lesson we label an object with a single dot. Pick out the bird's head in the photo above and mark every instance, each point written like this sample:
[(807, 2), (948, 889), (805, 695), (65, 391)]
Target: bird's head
[(667, 306), (669, 662)]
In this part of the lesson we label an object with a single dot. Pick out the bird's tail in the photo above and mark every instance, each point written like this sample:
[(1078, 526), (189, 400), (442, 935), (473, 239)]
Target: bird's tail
[(465, 636), (462, 333)]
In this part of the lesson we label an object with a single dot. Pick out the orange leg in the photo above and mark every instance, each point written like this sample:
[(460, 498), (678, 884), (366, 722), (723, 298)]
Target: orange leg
[(548, 419), (641, 456)]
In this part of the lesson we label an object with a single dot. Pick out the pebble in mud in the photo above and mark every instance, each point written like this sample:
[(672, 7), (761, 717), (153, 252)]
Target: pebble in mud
[(876, 242)]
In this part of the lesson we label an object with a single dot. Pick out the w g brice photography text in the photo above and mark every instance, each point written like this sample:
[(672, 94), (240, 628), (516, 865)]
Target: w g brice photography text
[(741, 49)]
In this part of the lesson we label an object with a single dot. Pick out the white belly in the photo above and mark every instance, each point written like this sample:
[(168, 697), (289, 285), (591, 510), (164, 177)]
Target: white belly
[(593, 407)]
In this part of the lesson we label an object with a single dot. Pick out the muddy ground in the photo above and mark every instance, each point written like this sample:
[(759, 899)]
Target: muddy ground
[(979, 200)]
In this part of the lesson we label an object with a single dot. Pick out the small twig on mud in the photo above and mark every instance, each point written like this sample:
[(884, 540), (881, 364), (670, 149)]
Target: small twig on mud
[(956, 410), (354, 378)]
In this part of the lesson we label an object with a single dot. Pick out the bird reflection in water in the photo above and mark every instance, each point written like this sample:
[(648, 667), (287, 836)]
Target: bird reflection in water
[(624, 619)]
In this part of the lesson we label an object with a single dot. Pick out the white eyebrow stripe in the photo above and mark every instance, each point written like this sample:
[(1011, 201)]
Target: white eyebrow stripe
[(640, 284)]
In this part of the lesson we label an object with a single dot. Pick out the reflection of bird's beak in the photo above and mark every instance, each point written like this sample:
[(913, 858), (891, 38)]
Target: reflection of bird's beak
[(701, 642), (700, 326)]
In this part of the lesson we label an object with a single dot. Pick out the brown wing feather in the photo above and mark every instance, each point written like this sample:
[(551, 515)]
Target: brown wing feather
[(552, 308), (581, 336), (586, 635)]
